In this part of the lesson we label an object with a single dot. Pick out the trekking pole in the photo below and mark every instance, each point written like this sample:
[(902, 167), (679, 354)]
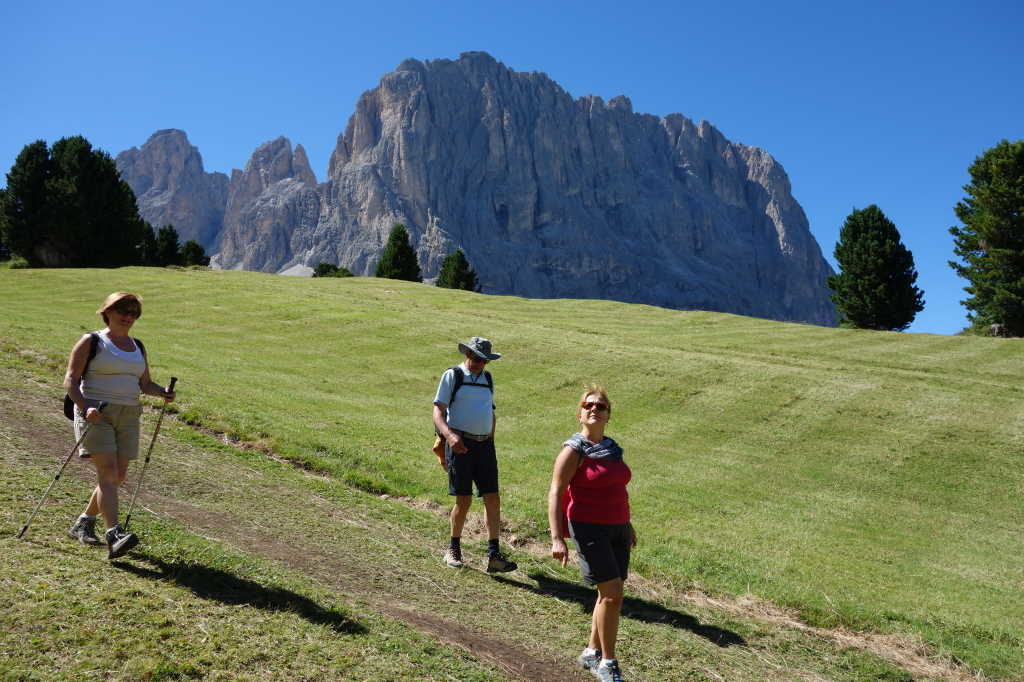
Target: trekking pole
[(56, 478), (160, 419)]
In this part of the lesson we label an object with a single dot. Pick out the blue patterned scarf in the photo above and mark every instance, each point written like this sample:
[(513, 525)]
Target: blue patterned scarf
[(607, 449)]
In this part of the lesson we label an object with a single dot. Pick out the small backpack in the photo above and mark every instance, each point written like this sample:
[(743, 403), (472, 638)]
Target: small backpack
[(94, 344)]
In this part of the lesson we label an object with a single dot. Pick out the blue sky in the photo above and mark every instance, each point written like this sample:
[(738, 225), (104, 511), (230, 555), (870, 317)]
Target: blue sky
[(870, 102)]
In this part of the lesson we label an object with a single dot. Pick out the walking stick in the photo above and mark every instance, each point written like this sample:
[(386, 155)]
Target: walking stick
[(160, 419), (56, 478)]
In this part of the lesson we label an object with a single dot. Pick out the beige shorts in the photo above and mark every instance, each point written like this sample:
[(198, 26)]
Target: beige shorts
[(118, 432)]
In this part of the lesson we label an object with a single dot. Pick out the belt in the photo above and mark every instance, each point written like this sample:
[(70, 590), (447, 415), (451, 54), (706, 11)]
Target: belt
[(474, 436)]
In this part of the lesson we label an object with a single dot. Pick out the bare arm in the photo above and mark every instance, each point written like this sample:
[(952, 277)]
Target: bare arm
[(150, 387), (565, 468), (441, 424), (76, 367)]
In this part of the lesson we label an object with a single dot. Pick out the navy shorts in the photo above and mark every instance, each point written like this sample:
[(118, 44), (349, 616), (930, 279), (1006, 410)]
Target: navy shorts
[(478, 464), (603, 550)]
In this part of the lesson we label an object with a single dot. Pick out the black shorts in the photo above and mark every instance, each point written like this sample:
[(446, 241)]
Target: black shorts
[(603, 550), (478, 464)]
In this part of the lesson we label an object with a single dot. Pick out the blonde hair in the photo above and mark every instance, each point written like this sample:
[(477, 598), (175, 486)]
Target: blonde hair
[(593, 389), (116, 299)]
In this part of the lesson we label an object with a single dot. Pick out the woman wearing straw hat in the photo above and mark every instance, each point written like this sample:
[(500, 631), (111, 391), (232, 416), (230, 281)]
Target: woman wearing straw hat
[(588, 501), (109, 366)]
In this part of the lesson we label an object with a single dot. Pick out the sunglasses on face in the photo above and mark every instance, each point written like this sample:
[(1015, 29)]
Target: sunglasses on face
[(134, 312), (600, 407)]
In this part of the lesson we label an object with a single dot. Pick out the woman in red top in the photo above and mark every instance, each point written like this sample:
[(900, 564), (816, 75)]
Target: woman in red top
[(588, 501)]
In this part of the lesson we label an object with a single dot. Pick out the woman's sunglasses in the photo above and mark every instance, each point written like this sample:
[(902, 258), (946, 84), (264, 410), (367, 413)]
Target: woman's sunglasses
[(600, 407)]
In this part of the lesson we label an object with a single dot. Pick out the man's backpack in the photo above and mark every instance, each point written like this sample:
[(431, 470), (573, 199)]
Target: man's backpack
[(94, 345), (439, 442)]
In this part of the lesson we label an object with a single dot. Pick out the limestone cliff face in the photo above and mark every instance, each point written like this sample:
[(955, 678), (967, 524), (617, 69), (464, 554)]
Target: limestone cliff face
[(554, 197), (171, 188), (548, 196), (273, 209)]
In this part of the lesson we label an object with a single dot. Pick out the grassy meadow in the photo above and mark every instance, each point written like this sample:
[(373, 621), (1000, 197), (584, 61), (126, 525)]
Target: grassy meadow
[(868, 481)]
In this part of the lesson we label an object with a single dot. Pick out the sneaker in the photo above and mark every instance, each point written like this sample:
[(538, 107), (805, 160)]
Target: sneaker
[(84, 531), (608, 672), (453, 557), (589, 661), (119, 542), (497, 563)]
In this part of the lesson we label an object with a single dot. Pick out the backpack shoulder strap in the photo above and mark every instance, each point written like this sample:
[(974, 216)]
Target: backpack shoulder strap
[(457, 376), (94, 346), (142, 347), (490, 381)]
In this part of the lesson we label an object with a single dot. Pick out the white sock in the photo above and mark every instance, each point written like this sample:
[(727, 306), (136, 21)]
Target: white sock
[(607, 661), (588, 651), (86, 517)]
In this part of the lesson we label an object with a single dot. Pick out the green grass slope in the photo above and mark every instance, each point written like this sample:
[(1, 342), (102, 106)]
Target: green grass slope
[(868, 480)]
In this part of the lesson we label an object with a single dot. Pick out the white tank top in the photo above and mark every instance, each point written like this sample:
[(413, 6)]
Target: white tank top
[(113, 375)]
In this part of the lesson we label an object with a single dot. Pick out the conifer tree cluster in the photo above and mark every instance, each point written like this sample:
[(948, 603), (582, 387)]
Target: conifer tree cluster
[(67, 206)]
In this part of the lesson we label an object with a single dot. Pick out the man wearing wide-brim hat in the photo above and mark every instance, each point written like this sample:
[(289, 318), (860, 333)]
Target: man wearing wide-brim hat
[(464, 418)]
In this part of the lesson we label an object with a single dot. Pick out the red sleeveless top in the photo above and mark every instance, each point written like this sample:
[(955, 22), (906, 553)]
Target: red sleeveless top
[(597, 493)]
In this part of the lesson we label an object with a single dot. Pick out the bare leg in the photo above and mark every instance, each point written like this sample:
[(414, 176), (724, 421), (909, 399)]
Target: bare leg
[(105, 495), (604, 629), (492, 514), (459, 513)]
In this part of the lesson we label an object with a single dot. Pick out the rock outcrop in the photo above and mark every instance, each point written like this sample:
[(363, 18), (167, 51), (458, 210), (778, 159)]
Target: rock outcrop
[(548, 196), (171, 188), (273, 209)]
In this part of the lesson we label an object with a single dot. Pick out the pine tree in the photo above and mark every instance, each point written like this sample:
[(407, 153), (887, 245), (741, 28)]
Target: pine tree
[(193, 253), (456, 273), (398, 260), (991, 242), (875, 287), (168, 250)]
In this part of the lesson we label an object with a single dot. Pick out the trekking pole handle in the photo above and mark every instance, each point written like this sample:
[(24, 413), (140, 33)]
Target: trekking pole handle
[(170, 386)]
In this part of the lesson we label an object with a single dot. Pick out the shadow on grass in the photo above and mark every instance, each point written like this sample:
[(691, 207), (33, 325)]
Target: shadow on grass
[(210, 583), (632, 607)]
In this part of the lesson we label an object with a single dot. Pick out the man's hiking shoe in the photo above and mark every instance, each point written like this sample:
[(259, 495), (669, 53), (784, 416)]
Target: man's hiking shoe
[(84, 531), (119, 542), (608, 672), (497, 563), (453, 557), (589, 661)]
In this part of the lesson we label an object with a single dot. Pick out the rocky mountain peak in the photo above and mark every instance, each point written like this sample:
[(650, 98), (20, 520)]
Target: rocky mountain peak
[(171, 188)]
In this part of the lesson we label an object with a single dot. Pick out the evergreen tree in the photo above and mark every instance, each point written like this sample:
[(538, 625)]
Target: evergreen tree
[(875, 287), (24, 210), (398, 260), (193, 253), (991, 242), (67, 206), (456, 273), (148, 247), (168, 250)]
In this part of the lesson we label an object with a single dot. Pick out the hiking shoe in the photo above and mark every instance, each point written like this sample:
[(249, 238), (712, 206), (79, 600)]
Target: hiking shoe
[(497, 563), (84, 531), (453, 557), (608, 672), (119, 542), (588, 661)]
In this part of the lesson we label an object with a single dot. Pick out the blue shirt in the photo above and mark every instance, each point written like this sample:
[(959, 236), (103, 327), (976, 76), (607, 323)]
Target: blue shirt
[(473, 409)]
